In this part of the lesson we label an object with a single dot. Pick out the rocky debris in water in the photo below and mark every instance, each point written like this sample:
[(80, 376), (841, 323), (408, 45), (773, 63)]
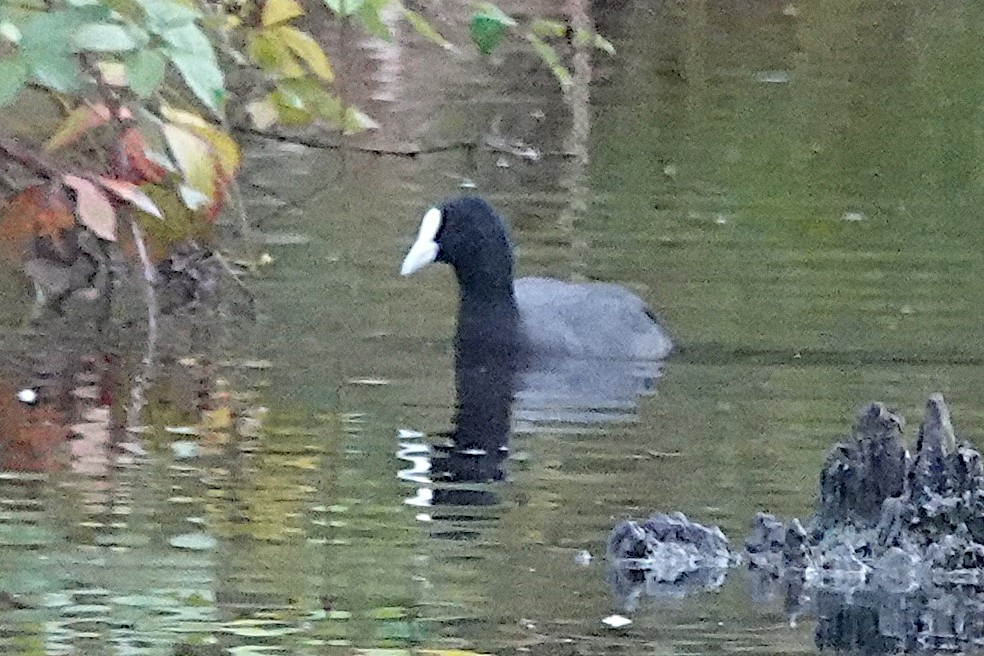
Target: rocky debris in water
[(666, 555), (862, 472), (894, 556), (930, 508)]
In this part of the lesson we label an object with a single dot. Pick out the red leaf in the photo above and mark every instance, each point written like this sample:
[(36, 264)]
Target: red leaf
[(92, 207), (135, 165)]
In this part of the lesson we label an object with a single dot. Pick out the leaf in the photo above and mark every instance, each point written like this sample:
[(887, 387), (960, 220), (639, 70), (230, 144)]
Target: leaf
[(280, 11), (130, 193), (60, 73), (551, 59), (344, 7), (491, 11), (224, 148), (355, 121), (13, 75), (145, 71), (369, 15), (139, 167), (308, 50), (164, 15), (79, 121), (423, 28), (272, 55), (108, 37), (194, 158), (191, 52), (487, 29), (601, 43), (542, 27), (92, 207)]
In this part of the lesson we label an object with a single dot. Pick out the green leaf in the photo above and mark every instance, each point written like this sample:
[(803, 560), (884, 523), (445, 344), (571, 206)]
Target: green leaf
[(163, 15), (490, 10), (601, 43), (423, 28), (369, 15), (13, 75), (487, 26), (191, 52), (145, 71), (48, 33), (108, 37), (542, 28), (203, 77), (344, 7), (58, 72), (550, 58)]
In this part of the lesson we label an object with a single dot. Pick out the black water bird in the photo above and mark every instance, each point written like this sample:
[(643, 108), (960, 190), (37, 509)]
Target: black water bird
[(530, 320)]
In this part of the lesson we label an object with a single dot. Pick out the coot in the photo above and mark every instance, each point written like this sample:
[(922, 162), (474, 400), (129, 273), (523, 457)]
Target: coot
[(532, 318)]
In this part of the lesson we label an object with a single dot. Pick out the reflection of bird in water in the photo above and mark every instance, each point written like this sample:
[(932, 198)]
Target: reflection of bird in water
[(567, 352)]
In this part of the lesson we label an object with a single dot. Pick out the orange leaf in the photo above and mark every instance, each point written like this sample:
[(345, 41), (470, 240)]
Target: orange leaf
[(31, 213), (79, 121), (92, 207), (130, 193)]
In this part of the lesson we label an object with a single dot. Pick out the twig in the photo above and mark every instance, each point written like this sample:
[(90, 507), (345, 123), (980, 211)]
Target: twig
[(142, 379)]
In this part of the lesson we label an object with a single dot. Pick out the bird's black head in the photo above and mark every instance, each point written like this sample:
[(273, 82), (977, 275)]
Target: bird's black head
[(466, 233)]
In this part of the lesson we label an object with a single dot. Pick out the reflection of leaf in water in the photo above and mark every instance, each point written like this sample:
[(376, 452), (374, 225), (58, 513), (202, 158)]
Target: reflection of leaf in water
[(193, 541)]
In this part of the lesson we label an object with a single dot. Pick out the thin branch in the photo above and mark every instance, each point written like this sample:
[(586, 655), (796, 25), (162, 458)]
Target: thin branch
[(142, 380)]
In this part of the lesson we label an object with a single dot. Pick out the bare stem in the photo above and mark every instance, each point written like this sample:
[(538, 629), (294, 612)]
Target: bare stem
[(142, 379)]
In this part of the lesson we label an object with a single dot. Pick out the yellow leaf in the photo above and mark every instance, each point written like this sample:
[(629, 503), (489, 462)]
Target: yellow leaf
[(307, 49), (224, 147), (194, 158), (280, 11), (78, 122), (218, 419), (269, 51)]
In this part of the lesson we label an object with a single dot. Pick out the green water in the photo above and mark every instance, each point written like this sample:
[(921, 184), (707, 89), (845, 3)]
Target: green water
[(794, 189)]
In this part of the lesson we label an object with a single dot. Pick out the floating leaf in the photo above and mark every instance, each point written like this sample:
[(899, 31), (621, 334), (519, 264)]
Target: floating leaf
[(79, 121), (308, 50), (60, 73), (280, 11), (92, 207), (131, 194)]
